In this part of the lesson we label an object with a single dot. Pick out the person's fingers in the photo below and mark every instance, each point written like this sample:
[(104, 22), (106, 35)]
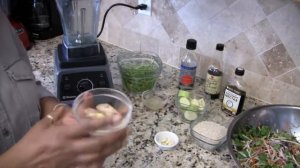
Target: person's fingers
[(123, 110), (87, 159), (117, 118), (60, 113), (84, 128), (112, 149), (69, 119), (97, 144), (94, 165), (113, 143), (87, 101), (53, 116)]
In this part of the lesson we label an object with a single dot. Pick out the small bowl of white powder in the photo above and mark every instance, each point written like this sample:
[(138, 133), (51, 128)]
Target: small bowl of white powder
[(209, 131)]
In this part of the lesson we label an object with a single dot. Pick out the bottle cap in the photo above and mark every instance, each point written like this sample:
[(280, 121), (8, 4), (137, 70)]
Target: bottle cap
[(220, 47), (240, 71), (191, 44)]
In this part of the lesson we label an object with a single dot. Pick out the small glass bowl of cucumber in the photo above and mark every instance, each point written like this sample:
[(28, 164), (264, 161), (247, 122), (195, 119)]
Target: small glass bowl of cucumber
[(190, 105)]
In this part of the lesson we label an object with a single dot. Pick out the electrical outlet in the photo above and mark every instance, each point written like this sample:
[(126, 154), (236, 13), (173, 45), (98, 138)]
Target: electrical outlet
[(148, 10)]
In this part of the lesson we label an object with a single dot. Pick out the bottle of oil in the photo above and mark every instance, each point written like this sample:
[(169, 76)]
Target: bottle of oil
[(234, 94), (188, 66), (214, 75)]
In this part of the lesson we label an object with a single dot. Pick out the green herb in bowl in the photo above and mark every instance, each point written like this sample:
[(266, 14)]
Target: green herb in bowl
[(139, 71)]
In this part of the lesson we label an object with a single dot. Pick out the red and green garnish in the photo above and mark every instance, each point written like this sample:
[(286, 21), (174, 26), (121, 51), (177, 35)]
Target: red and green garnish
[(260, 147)]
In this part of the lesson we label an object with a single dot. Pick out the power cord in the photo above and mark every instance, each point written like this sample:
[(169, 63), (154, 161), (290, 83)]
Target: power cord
[(140, 6)]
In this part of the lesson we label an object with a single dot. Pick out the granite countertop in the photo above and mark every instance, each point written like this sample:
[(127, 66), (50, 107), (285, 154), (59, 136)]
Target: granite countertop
[(141, 150)]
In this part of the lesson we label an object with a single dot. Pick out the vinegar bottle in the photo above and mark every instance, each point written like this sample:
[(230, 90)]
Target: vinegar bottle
[(188, 66)]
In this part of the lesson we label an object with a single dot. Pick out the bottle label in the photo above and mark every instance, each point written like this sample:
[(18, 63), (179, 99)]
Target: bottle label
[(213, 84), (187, 75), (231, 101)]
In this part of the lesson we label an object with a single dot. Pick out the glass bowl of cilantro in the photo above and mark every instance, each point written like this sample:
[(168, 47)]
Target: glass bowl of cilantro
[(139, 70)]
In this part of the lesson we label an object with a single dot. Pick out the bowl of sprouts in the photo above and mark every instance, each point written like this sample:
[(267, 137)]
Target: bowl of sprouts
[(266, 136)]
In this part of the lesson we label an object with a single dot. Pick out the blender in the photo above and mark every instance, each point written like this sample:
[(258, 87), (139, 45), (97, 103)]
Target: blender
[(80, 61)]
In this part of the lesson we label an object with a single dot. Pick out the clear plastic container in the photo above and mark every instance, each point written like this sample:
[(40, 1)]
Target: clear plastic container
[(91, 98), (139, 71), (190, 105), (154, 100), (209, 130)]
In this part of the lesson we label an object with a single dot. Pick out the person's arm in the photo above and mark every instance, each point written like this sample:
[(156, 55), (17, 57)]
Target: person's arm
[(50, 145), (47, 99)]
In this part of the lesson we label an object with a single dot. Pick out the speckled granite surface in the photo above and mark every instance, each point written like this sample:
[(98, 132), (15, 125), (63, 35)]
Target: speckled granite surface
[(141, 150)]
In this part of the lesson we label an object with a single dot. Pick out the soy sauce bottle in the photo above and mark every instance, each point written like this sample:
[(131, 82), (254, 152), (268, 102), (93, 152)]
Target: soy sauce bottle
[(214, 75), (235, 94)]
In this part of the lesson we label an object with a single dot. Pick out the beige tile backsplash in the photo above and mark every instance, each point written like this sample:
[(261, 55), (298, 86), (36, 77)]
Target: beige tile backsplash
[(263, 36)]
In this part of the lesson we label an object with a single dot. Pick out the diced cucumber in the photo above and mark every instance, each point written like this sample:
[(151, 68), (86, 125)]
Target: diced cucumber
[(194, 104), (190, 115), (184, 102), (201, 104), (183, 93)]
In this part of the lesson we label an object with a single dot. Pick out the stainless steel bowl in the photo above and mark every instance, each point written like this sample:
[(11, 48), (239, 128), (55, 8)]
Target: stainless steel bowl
[(278, 117)]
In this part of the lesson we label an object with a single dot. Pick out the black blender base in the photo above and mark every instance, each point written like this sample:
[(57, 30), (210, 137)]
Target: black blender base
[(72, 82), (81, 57), (80, 74)]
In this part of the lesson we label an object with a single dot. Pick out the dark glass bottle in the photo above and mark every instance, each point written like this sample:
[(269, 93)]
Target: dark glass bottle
[(235, 94), (214, 75)]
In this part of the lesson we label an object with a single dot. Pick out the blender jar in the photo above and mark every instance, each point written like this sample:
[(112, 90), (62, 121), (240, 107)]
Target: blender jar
[(80, 21)]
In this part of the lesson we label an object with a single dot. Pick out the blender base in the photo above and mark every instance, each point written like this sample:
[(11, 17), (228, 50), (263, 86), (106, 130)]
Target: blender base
[(72, 81), (83, 56)]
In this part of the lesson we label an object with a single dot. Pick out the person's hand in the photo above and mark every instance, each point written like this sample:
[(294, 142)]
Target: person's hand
[(66, 143)]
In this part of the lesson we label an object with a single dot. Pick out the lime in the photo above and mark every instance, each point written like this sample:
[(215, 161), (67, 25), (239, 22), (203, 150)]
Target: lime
[(190, 115), (183, 93)]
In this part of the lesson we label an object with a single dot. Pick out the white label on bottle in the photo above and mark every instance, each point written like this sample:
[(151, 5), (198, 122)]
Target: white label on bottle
[(213, 84), (231, 101)]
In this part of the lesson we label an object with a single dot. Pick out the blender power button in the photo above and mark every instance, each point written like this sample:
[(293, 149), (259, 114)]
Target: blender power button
[(84, 84)]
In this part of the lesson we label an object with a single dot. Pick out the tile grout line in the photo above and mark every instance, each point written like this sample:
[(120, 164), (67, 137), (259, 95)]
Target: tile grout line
[(278, 76)]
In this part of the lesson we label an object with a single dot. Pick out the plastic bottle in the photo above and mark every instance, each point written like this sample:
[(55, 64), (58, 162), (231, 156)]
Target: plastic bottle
[(235, 94), (188, 66), (214, 74)]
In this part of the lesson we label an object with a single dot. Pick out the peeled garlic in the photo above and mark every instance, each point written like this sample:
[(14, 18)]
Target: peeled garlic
[(93, 113), (166, 141), (106, 109)]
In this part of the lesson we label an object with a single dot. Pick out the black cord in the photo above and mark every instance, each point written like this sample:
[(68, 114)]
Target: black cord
[(141, 7)]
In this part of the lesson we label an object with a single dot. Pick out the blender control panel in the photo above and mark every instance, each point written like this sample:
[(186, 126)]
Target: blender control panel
[(73, 84)]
